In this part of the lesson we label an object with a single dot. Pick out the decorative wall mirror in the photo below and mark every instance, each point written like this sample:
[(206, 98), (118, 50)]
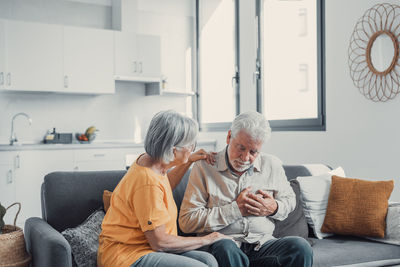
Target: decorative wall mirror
[(374, 53)]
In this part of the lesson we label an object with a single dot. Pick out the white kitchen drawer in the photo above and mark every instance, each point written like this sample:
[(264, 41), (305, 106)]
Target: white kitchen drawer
[(98, 155)]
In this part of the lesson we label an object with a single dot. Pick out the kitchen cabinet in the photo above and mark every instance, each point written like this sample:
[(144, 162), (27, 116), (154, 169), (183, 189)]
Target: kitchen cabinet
[(3, 71), (149, 55), (30, 169), (88, 60), (7, 184), (137, 55), (99, 159), (33, 56), (43, 57)]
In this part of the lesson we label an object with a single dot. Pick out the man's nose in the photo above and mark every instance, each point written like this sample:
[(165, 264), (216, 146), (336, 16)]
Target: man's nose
[(245, 156)]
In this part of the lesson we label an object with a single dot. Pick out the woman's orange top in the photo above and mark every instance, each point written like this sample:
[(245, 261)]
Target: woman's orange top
[(141, 202)]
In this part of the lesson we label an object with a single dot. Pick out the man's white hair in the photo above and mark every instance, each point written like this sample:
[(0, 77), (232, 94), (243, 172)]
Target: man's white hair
[(253, 123)]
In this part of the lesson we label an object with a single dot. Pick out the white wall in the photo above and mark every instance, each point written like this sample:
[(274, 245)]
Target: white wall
[(124, 115), (361, 136)]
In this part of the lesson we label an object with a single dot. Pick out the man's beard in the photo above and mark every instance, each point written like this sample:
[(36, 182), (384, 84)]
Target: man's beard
[(240, 165)]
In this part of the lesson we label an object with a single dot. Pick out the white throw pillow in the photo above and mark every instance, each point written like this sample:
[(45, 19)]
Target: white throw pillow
[(314, 194), (392, 233)]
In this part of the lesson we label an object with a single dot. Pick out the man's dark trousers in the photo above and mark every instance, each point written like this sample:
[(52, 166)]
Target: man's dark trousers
[(287, 251)]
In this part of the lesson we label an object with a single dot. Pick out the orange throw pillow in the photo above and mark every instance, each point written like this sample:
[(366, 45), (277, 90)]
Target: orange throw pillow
[(106, 199), (357, 207)]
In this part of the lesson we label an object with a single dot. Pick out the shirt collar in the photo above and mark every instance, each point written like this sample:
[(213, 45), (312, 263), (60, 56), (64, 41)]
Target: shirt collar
[(222, 162)]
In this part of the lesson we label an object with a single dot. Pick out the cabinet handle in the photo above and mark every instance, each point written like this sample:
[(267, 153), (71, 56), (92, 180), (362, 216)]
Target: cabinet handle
[(98, 155), (140, 67), (134, 66), (303, 68), (1, 78), (9, 79), (9, 177), (17, 162), (66, 81), (302, 22)]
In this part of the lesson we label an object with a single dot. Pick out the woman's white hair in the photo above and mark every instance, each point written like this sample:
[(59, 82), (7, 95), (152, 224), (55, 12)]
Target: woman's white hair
[(254, 124), (169, 129)]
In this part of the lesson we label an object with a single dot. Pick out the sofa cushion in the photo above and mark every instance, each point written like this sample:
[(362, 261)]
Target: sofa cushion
[(106, 199), (345, 250), (314, 195), (392, 233), (357, 207), (295, 224), (84, 239)]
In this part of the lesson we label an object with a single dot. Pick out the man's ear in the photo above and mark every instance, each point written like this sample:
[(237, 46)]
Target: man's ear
[(228, 137)]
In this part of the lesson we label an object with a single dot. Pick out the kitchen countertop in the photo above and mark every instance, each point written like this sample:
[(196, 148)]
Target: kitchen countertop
[(94, 145)]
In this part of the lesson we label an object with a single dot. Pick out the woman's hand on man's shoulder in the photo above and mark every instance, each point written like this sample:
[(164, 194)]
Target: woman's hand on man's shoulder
[(200, 154)]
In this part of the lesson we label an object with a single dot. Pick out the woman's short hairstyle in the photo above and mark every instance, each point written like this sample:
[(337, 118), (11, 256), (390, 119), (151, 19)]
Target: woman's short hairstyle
[(169, 129), (254, 124)]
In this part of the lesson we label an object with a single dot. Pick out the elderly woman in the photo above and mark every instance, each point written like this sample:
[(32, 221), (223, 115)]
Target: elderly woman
[(140, 228)]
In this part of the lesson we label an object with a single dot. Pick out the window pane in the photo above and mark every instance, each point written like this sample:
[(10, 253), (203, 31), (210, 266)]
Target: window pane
[(216, 60), (290, 59)]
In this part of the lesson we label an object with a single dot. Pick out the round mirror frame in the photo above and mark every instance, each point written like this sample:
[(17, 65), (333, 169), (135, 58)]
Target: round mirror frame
[(395, 54), (373, 84)]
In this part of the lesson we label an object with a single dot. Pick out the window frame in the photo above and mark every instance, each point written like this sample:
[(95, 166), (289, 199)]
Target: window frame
[(312, 124), (217, 126)]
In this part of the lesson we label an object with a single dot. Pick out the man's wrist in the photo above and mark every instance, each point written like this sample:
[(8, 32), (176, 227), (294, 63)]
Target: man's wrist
[(276, 210)]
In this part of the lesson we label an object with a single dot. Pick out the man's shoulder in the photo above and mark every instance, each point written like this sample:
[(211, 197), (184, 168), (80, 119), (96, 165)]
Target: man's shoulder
[(270, 158), (202, 164), (269, 161)]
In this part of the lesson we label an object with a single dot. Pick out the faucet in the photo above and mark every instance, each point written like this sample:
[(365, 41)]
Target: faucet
[(13, 137)]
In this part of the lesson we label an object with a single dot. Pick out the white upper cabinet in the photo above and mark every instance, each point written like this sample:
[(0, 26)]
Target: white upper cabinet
[(137, 55), (88, 60), (56, 58), (44, 57), (34, 56), (125, 54), (149, 55)]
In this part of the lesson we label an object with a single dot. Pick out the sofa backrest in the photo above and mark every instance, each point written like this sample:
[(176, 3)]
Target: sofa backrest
[(68, 198)]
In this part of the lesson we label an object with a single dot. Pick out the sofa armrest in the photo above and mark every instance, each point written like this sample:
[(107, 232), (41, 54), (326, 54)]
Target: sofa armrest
[(47, 246)]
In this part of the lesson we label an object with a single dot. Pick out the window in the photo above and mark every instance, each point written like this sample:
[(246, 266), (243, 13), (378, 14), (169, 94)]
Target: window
[(217, 63), (291, 54)]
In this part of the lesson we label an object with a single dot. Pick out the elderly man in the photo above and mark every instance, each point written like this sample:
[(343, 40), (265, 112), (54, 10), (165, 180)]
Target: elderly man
[(241, 195)]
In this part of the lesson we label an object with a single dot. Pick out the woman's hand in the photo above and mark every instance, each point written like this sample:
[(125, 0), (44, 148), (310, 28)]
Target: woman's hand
[(209, 157), (214, 237)]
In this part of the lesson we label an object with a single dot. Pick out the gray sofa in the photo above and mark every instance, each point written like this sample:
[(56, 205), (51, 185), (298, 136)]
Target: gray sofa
[(68, 198)]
